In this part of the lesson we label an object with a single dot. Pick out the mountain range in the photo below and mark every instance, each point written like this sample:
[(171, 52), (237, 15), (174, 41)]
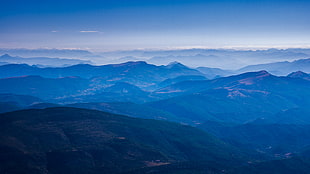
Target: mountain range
[(42, 61), (140, 74), (175, 88), (136, 117), (230, 59), (238, 98), (276, 68), (280, 68), (67, 53)]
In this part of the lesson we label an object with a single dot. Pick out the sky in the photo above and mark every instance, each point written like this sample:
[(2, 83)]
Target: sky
[(101, 25)]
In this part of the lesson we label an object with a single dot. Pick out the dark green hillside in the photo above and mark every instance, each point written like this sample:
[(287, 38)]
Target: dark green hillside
[(70, 140)]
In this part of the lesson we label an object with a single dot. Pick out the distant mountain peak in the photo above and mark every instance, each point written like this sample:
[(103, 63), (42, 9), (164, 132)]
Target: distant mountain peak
[(82, 65), (280, 68), (257, 74), (175, 64), (250, 77), (302, 61), (5, 56), (299, 74), (130, 63), (263, 72)]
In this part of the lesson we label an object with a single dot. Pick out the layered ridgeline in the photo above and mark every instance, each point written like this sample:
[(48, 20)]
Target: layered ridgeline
[(41, 61), (138, 73), (241, 98), (266, 116), (221, 58), (280, 68), (81, 82), (183, 93), (69, 140), (11, 102)]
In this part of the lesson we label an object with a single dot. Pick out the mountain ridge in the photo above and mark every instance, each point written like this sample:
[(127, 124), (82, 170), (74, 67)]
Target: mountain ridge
[(42, 61), (280, 68), (71, 140)]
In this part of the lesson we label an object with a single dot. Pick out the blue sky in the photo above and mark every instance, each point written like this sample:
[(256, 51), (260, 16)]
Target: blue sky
[(154, 24)]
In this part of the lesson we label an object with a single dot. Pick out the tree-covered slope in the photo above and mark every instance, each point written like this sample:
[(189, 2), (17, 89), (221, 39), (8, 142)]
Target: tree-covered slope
[(71, 140)]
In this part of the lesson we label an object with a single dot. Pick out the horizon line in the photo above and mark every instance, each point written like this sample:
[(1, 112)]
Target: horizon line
[(237, 48)]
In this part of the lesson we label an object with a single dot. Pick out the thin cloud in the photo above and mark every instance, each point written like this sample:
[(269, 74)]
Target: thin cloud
[(54, 31), (89, 31)]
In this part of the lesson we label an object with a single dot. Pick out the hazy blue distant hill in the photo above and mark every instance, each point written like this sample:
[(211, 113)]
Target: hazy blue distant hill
[(216, 58), (107, 83), (42, 61), (70, 140), (237, 98), (67, 53), (299, 74), (212, 73), (280, 68), (243, 97), (261, 80), (193, 60), (140, 74), (187, 87)]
